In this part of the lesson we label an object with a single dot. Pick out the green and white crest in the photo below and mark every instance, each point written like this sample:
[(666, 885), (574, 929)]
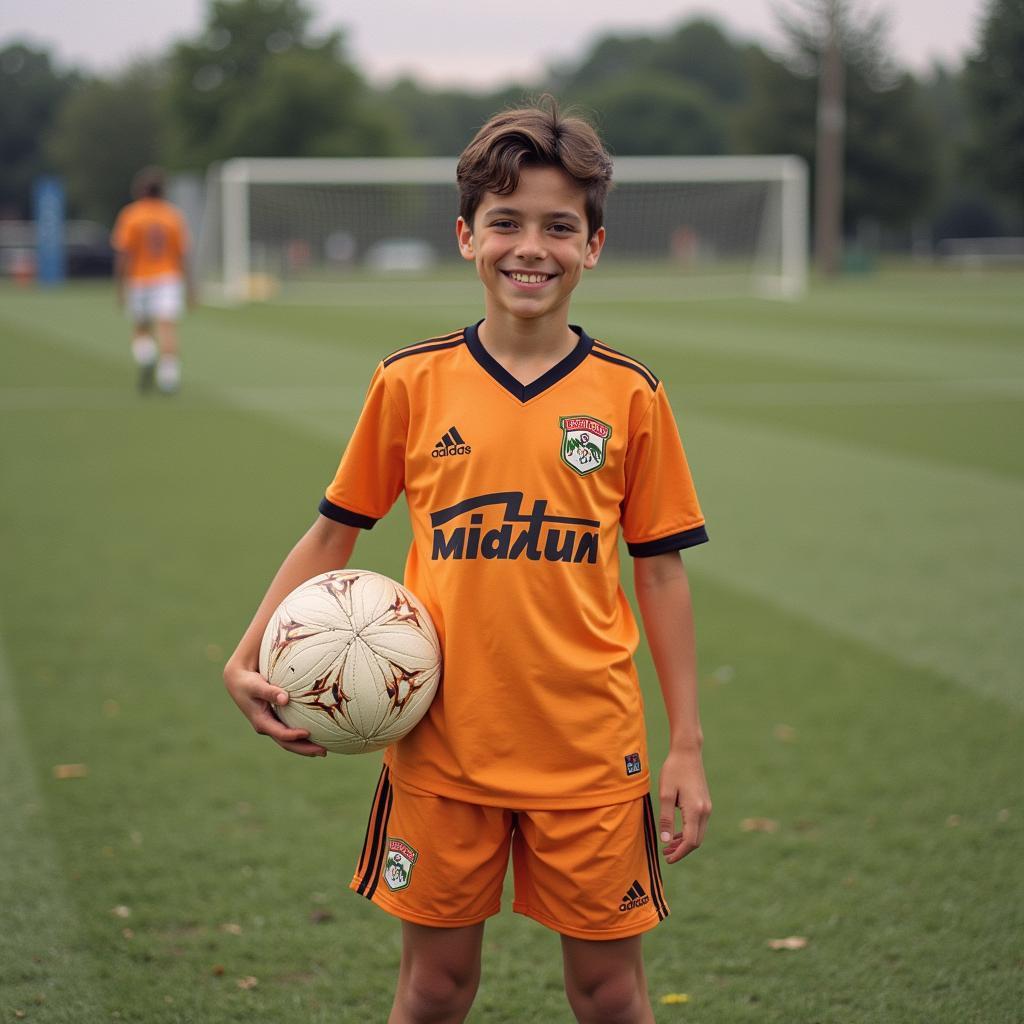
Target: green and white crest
[(584, 441), (397, 871)]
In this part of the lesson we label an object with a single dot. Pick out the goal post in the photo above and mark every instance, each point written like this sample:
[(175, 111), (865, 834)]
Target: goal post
[(676, 226)]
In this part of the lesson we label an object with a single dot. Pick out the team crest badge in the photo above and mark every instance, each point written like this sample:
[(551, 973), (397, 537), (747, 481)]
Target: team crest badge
[(398, 864), (584, 440)]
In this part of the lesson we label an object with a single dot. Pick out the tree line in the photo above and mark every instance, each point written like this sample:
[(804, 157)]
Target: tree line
[(929, 156)]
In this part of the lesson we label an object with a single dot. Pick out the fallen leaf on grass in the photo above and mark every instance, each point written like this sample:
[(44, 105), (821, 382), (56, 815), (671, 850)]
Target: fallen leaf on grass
[(121, 911), (231, 928), (320, 916), (70, 771), (792, 942), (249, 982), (217, 970), (759, 825), (953, 821), (674, 997), (784, 733), (128, 933)]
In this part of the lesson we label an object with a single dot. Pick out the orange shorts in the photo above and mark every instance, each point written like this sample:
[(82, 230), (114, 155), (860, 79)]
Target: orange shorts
[(590, 873)]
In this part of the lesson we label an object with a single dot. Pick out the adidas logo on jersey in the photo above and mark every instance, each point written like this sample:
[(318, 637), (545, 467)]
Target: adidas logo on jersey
[(450, 444), (636, 897)]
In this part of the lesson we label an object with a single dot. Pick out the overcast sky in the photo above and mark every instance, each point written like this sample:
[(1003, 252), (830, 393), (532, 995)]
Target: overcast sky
[(465, 42)]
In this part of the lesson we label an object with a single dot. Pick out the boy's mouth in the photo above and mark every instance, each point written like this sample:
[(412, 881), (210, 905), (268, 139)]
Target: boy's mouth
[(527, 277)]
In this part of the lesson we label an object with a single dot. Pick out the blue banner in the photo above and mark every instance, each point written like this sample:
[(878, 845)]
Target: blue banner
[(48, 210)]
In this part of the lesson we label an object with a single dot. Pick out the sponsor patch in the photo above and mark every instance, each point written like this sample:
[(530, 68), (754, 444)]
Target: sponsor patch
[(633, 766)]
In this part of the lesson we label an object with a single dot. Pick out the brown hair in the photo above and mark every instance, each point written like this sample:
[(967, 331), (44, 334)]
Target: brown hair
[(148, 182), (537, 136)]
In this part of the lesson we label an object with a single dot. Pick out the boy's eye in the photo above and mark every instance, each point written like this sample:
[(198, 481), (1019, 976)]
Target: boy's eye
[(503, 224)]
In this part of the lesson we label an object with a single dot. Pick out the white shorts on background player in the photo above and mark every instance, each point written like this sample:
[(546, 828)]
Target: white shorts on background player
[(159, 299)]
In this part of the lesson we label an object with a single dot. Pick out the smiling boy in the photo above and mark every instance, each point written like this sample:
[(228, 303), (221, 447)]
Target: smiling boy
[(524, 447)]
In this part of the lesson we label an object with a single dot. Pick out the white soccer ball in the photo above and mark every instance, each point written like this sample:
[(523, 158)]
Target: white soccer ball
[(359, 657)]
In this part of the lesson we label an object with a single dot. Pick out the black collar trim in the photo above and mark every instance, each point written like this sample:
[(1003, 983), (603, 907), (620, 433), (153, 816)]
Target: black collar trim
[(525, 392)]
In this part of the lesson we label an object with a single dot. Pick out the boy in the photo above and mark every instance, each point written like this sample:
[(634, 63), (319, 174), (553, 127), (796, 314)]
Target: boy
[(151, 241), (522, 445)]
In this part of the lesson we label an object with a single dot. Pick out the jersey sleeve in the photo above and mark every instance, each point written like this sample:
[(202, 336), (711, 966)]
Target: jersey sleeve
[(660, 511), (120, 237), (371, 474)]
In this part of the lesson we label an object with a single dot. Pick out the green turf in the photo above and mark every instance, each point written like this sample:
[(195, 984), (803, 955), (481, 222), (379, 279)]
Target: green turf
[(858, 455)]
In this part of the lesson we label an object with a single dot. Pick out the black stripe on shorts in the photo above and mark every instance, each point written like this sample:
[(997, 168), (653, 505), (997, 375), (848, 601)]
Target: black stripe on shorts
[(653, 865), (371, 860)]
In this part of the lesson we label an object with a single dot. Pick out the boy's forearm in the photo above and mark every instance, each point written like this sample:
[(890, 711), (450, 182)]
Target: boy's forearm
[(325, 545), (663, 594)]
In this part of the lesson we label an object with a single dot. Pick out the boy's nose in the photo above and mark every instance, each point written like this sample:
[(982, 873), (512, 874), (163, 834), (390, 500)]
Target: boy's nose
[(531, 246)]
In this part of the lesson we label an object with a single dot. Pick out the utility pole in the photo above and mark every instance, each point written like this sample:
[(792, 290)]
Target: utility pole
[(828, 184)]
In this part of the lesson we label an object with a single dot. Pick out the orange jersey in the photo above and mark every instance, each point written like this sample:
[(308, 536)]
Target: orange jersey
[(152, 235), (517, 496)]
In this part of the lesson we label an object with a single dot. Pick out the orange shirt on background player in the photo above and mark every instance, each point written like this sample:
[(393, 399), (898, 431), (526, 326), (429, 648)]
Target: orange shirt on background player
[(152, 235), (517, 497)]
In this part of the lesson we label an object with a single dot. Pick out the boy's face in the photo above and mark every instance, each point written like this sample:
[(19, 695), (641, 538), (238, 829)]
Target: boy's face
[(532, 245)]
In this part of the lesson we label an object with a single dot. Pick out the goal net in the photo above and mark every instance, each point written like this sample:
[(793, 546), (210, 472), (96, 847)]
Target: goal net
[(382, 230)]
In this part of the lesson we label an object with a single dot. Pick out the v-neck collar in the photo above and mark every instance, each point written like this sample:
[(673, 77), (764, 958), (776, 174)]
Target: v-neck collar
[(524, 392)]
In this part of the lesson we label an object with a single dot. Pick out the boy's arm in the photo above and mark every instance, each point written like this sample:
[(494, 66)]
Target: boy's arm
[(663, 594), (326, 545)]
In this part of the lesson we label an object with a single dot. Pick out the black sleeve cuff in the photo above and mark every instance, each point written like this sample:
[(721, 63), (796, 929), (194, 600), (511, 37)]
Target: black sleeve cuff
[(343, 515), (678, 541)]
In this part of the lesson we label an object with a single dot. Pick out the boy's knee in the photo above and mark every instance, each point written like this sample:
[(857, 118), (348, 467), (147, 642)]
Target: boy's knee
[(611, 999), (432, 992)]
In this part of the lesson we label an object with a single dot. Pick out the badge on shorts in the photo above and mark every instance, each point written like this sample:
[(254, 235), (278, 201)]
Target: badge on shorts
[(583, 443), (398, 864)]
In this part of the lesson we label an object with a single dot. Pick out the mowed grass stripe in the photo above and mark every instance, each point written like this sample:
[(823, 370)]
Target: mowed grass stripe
[(871, 344), (45, 972), (912, 558)]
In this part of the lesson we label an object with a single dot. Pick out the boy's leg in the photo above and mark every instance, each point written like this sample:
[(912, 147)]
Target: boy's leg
[(439, 974), (168, 303), (605, 981), (168, 371), (144, 351)]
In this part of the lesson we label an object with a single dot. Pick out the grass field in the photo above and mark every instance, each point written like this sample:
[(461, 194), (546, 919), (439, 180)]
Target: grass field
[(859, 459)]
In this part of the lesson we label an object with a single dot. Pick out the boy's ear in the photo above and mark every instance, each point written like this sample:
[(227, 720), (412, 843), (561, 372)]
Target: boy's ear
[(464, 234), (594, 247)]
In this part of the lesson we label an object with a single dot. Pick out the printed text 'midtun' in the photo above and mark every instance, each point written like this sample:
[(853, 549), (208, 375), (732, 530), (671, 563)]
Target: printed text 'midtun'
[(534, 535)]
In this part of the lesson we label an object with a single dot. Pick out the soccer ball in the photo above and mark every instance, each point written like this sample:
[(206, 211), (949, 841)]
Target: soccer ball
[(359, 657)]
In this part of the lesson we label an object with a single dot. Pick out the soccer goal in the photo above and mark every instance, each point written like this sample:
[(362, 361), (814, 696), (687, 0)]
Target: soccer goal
[(382, 230)]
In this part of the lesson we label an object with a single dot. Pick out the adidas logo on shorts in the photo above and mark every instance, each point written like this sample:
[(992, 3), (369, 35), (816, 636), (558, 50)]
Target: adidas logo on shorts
[(636, 897), (451, 444)]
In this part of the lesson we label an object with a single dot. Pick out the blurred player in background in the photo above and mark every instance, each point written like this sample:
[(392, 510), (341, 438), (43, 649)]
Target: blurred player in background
[(151, 242)]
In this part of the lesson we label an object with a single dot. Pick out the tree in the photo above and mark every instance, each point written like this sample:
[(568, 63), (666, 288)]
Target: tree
[(256, 83), (655, 114), (106, 130), (441, 122), (994, 80), (701, 53), (31, 92), (890, 140)]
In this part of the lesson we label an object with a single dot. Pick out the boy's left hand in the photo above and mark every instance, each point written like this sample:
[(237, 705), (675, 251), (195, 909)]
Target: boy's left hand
[(682, 786)]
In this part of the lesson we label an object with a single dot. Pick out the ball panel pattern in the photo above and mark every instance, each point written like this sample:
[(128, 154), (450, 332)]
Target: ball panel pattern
[(359, 657)]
